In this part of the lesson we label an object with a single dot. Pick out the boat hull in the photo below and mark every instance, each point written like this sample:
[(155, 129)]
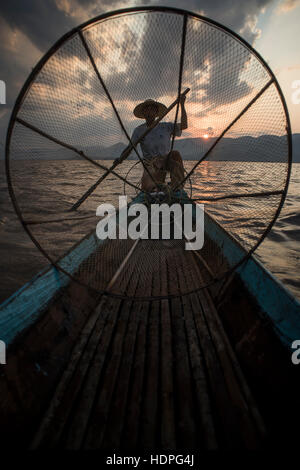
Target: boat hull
[(69, 342)]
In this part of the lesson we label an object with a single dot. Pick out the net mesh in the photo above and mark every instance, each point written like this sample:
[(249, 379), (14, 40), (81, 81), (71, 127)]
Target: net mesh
[(76, 116)]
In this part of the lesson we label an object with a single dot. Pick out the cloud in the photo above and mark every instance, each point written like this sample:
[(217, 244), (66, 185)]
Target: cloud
[(231, 13), (287, 5), (152, 52), (16, 55), (42, 22), (30, 28)]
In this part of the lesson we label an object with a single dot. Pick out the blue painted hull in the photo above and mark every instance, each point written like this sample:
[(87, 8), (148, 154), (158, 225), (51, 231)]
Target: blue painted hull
[(274, 300)]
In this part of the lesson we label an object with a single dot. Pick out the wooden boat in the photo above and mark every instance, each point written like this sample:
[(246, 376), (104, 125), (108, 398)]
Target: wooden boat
[(140, 344), (209, 369)]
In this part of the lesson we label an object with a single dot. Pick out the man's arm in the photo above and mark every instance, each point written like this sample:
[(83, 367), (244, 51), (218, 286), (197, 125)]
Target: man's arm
[(123, 155), (184, 123), (128, 149)]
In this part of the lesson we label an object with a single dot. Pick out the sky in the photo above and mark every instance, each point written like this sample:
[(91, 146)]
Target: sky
[(29, 28)]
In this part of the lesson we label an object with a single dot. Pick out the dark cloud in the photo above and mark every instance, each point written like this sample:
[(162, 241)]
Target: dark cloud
[(43, 22), (151, 54), (232, 13)]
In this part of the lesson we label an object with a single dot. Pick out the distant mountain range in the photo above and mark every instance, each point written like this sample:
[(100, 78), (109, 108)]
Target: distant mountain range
[(234, 149), (245, 148)]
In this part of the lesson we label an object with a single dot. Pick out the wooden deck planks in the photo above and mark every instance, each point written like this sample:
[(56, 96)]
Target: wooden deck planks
[(116, 422), (77, 376), (100, 411), (206, 435), (249, 423), (184, 398), (53, 422), (78, 423), (153, 375), (149, 426), (168, 419), (239, 429), (133, 415)]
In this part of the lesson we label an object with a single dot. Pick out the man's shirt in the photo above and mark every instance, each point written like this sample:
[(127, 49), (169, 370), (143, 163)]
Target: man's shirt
[(158, 141)]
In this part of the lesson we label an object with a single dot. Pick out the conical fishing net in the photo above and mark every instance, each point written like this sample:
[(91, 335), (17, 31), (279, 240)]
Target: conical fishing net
[(74, 117)]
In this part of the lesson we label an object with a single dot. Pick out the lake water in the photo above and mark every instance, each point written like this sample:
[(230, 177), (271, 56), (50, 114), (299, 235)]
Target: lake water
[(47, 190)]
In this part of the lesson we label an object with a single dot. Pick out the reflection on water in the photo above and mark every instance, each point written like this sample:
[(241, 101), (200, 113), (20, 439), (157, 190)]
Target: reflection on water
[(48, 189)]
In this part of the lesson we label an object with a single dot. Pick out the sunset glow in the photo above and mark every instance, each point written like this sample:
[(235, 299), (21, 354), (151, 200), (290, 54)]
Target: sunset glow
[(205, 136)]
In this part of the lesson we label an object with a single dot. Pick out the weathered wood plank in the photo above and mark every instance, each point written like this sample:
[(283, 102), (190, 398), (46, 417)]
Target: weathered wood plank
[(62, 405), (248, 430), (225, 420), (51, 425), (207, 430), (184, 399), (242, 380), (115, 423), (149, 427), (167, 427), (237, 424), (102, 337), (99, 417), (133, 417)]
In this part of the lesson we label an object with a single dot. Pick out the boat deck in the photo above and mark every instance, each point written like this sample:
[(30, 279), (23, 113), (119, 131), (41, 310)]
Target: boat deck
[(153, 374)]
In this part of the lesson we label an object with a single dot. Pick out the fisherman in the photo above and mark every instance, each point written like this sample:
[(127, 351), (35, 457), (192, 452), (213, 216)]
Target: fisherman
[(156, 145)]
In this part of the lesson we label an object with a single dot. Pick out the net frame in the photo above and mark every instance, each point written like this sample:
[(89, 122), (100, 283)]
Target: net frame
[(131, 11)]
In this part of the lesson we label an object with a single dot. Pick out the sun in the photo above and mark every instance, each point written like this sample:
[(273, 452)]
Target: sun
[(205, 136)]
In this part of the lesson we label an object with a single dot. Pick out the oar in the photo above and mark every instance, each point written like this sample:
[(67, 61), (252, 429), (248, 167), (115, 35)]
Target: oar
[(121, 159)]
